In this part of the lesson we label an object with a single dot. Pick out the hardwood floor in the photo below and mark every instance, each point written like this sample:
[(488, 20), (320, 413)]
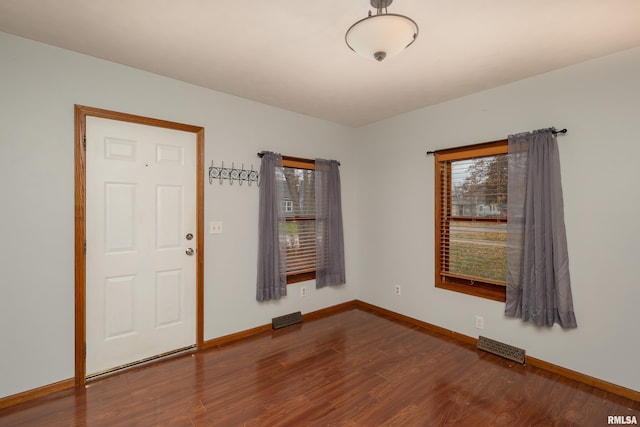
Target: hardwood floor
[(353, 368)]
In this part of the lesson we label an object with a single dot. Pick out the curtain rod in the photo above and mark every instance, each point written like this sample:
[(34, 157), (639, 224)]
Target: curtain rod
[(555, 132), (262, 153)]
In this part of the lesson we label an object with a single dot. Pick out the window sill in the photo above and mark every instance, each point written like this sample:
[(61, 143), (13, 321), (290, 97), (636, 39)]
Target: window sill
[(301, 277), (482, 290)]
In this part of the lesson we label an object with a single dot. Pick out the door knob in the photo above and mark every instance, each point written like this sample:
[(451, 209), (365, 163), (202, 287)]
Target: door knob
[(190, 251), (189, 236)]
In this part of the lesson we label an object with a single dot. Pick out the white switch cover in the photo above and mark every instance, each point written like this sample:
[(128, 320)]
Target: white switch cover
[(215, 227)]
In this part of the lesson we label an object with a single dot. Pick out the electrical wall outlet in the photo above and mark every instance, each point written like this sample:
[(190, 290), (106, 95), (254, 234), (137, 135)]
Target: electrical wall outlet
[(303, 291), (479, 322), (215, 227), (397, 290)]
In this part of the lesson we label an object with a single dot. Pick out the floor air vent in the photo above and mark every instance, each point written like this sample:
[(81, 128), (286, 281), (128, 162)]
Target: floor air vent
[(286, 320), (507, 351)]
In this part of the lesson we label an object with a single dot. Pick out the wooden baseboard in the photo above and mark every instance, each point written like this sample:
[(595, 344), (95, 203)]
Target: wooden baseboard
[(228, 339), (328, 311), (585, 379), (25, 396), (406, 319), (538, 363), (249, 333), (350, 305)]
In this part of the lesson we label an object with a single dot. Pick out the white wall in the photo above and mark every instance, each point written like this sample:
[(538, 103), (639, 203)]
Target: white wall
[(387, 204), (599, 103), (39, 86)]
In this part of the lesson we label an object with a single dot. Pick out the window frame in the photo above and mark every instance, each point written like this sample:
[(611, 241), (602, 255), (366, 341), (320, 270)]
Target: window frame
[(476, 287), (308, 164)]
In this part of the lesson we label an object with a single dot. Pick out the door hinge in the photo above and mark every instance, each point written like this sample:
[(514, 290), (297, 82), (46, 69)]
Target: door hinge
[(84, 142), (85, 247)]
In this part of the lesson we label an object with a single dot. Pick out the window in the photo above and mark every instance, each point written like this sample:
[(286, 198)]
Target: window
[(471, 220), (298, 189), (287, 205), (287, 241)]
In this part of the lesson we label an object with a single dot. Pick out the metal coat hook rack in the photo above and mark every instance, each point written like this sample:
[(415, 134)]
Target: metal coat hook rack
[(232, 174)]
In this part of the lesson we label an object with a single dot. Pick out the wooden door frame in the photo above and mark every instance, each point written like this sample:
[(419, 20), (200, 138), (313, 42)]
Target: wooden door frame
[(81, 113)]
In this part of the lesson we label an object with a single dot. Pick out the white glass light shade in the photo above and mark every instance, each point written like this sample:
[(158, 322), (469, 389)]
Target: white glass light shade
[(381, 36)]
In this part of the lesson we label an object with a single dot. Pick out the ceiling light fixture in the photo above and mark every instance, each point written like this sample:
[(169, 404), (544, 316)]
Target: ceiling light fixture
[(382, 35)]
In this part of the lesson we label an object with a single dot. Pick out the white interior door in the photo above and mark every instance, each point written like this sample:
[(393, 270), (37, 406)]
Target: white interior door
[(140, 226)]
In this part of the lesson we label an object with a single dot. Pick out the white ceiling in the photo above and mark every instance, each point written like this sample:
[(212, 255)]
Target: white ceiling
[(291, 53)]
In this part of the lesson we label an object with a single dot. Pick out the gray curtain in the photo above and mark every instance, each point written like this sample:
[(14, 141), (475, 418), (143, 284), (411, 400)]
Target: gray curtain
[(330, 268), (272, 252), (538, 284)]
